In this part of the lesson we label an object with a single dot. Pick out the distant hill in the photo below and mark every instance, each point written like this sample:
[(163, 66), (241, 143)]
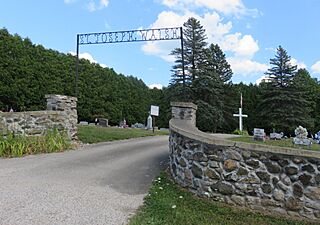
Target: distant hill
[(29, 71)]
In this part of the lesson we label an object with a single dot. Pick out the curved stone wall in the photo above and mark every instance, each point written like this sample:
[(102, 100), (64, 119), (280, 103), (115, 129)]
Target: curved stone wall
[(266, 178)]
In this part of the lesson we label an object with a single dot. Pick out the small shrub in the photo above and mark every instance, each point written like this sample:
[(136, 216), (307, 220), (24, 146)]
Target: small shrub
[(239, 132)]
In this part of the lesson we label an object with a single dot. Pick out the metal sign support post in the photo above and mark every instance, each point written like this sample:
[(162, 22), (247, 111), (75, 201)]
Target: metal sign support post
[(77, 66), (153, 123)]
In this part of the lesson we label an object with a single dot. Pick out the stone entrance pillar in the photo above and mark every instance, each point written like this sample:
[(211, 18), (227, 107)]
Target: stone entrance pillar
[(68, 105)]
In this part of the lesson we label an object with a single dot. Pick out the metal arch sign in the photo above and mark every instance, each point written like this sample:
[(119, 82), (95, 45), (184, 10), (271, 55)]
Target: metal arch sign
[(156, 34), (160, 34)]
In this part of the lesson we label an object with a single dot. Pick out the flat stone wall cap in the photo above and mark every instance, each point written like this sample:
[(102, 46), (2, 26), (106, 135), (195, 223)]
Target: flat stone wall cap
[(184, 105)]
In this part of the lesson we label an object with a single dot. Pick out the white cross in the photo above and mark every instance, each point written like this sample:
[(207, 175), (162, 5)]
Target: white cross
[(240, 115)]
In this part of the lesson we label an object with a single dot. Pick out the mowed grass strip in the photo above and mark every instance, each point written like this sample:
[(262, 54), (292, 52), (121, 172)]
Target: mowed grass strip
[(281, 143), (95, 134), (167, 204)]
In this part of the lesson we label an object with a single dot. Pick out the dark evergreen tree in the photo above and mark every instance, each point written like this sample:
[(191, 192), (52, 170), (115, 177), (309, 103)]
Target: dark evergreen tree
[(309, 90), (216, 62), (283, 108), (208, 88), (281, 73), (194, 43)]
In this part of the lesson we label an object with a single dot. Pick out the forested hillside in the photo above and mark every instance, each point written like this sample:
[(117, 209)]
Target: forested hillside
[(29, 71)]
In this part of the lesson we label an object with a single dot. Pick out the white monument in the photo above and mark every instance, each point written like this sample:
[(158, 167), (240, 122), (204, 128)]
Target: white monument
[(240, 115), (149, 122)]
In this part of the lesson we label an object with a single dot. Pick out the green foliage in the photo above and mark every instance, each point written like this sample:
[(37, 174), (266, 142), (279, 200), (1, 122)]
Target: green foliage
[(216, 63), (17, 146), (239, 132), (282, 72), (208, 116), (284, 105), (95, 134), (207, 71), (167, 204), (194, 42), (29, 71)]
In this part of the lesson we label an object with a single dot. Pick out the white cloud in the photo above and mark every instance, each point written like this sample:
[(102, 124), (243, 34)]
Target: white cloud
[(69, 1), (316, 67), (263, 78), (158, 86), (163, 49), (153, 48), (104, 3), (170, 3), (213, 24), (228, 7), (300, 65), (246, 66), (89, 57), (93, 6), (224, 6), (244, 46)]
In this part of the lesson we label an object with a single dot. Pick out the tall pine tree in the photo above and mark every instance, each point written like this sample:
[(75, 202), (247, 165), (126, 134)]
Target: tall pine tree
[(194, 43), (283, 107)]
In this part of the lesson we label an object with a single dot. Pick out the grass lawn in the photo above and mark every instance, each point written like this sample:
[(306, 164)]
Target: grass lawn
[(95, 134), (167, 204), (281, 143)]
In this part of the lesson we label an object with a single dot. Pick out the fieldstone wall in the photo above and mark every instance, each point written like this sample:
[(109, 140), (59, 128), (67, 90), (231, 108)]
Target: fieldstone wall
[(61, 113), (278, 180)]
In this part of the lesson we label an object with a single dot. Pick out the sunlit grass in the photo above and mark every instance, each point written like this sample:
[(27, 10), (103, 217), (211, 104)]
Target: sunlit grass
[(281, 143), (94, 134), (167, 204)]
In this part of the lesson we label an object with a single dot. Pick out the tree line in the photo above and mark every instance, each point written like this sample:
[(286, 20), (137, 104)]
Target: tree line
[(29, 71), (288, 98)]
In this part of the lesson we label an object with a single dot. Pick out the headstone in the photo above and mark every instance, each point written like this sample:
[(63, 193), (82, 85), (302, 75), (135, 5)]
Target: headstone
[(138, 125), (317, 137), (149, 123), (258, 134), (276, 136), (103, 122), (84, 123), (301, 137)]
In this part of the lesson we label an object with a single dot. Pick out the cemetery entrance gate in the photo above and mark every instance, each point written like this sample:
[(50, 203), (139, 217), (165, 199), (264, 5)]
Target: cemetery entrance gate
[(156, 34)]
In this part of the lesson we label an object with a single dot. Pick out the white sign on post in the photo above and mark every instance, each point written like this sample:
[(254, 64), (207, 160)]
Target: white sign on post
[(154, 111)]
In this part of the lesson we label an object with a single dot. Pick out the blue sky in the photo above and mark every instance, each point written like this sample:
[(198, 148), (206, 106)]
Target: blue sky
[(248, 31)]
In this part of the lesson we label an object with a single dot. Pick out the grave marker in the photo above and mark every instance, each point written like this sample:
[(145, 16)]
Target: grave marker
[(258, 134)]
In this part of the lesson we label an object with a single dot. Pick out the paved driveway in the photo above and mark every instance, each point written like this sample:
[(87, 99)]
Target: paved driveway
[(98, 184)]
